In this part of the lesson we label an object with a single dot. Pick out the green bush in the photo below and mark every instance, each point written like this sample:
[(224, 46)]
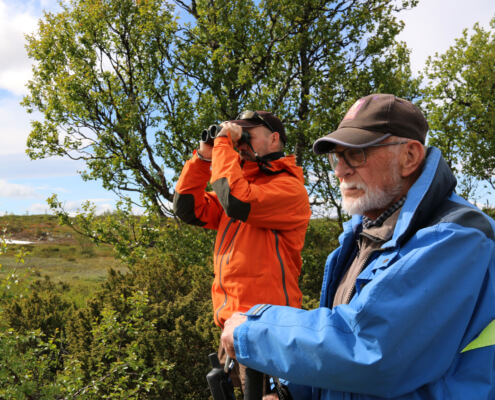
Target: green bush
[(119, 366), (179, 310), (29, 331), (321, 240), (146, 334), (28, 366), (42, 308)]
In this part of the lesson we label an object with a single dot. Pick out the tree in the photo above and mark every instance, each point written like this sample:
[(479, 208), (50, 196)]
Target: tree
[(460, 102), (128, 87), (104, 85)]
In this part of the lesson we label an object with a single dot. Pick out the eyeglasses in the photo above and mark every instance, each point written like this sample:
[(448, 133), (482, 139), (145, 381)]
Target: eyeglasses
[(354, 157), (254, 115)]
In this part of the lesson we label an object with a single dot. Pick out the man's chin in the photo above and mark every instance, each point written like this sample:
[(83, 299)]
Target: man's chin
[(353, 206)]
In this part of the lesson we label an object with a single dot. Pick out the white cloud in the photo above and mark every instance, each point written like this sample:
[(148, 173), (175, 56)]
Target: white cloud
[(15, 66), (14, 127), (14, 190), (39, 208), (18, 18), (19, 166), (54, 190), (74, 207), (102, 200), (433, 25)]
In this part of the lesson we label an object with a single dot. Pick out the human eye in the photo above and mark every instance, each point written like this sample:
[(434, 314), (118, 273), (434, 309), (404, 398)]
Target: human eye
[(355, 156)]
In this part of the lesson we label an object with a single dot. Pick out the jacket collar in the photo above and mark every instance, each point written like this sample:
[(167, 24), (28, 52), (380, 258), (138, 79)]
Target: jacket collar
[(272, 156), (276, 166), (434, 185)]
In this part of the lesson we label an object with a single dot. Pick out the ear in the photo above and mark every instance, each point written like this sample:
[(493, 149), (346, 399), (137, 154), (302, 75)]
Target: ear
[(275, 139), (411, 158)]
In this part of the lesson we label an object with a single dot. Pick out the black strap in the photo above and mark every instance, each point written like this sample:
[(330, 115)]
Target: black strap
[(282, 390)]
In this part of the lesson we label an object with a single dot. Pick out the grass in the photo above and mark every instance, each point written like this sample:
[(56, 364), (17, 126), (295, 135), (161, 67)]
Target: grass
[(57, 252), (68, 267)]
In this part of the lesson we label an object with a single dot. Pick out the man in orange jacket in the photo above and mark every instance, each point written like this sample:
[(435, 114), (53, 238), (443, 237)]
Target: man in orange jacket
[(260, 208)]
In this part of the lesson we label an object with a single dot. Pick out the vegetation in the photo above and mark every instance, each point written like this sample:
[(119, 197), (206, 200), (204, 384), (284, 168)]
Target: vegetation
[(460, 102), (143, 333), (127, 86), (56, 251)]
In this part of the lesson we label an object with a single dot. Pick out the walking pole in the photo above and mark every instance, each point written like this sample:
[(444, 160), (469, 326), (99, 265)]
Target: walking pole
[(220, 384), (254, 385)]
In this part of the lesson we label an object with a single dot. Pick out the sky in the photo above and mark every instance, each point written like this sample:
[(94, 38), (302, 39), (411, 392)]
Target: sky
[(430, 28)]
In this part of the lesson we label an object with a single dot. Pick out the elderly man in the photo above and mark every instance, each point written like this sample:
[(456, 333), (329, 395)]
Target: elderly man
[(260, 208), (407, 303)]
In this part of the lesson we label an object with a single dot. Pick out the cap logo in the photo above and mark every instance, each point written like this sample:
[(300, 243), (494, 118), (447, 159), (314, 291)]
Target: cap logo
[(351, 114)]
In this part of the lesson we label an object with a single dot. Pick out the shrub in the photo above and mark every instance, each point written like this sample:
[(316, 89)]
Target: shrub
[(180, 331), (145, 335), (120, 367), (28, 366), (321, 240), (29, 358)]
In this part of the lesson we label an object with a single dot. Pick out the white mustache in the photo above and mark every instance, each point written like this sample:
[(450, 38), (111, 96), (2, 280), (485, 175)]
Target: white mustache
[(350, 185)]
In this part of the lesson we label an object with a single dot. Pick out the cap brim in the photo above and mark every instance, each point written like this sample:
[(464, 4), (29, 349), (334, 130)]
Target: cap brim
[(348, 137), (245, 123)]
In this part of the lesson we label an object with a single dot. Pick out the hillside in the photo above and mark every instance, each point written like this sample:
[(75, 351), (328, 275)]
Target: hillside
[(56, 252), (37, 229)]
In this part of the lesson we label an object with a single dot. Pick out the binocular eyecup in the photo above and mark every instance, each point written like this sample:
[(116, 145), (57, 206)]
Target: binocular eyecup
[(209, 135)]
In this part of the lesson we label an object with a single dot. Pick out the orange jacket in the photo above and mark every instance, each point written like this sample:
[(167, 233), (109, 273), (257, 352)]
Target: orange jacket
[(261, 218)]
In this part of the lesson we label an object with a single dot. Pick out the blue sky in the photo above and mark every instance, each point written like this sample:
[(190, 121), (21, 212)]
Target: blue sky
[(25, 185)]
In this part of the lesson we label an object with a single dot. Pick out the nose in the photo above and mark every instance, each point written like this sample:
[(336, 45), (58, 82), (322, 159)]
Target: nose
[(342, 168)]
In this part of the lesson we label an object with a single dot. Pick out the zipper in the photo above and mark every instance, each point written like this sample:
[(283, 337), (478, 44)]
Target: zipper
[(282, 267), (363, 265), (231, 243)]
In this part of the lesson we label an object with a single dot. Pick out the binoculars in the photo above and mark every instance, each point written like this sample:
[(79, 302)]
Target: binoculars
[(209, 135)]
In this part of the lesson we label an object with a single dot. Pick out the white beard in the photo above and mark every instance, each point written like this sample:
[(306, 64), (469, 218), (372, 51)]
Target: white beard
[(373, 198)]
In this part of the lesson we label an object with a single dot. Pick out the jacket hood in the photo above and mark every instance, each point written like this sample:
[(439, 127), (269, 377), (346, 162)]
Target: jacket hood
[(434, 185)]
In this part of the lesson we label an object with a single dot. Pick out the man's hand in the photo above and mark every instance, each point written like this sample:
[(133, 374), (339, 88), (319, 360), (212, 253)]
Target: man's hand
[(227, 338), (205, 150), (234, 129), (272, 396)]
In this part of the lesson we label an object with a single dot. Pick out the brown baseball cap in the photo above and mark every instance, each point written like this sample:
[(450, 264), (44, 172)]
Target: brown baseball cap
[(252, 119), (372, 119)]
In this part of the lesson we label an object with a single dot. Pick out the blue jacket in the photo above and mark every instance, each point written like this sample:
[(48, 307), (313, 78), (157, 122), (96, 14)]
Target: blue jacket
[(426, 295)]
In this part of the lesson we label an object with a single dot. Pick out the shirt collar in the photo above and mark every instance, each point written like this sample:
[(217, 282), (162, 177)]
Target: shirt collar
[(369, 223)]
